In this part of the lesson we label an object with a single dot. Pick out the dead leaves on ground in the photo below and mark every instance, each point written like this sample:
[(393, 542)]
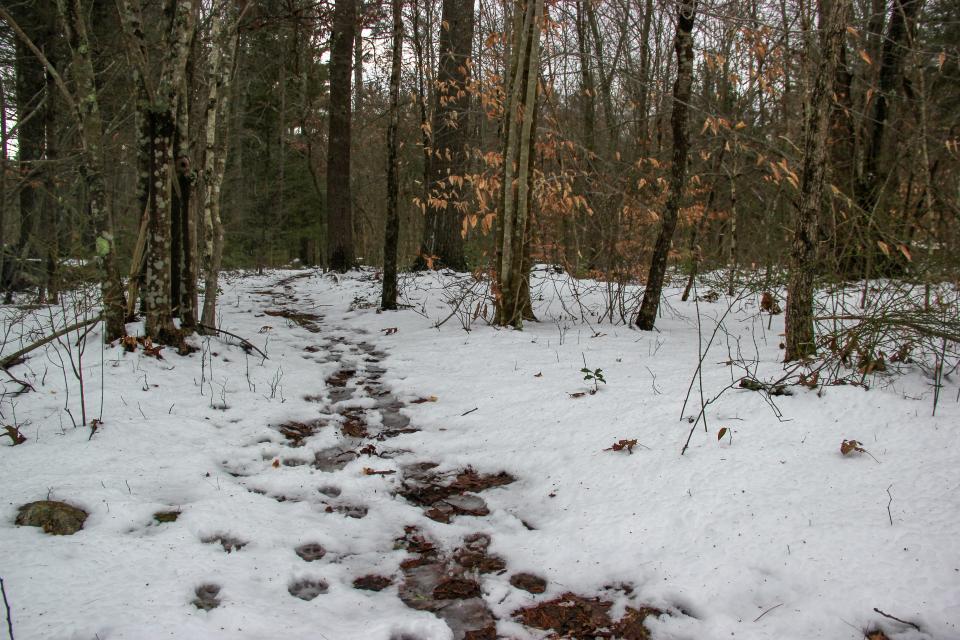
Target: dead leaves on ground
[(574, 616), (422, 400), (848, 447), (14, 434), (130, 343), (621, 445)]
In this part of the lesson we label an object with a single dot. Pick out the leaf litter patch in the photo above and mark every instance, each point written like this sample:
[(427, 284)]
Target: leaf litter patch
[(574, 616), (436, 582), (296, 432), (443, 498)]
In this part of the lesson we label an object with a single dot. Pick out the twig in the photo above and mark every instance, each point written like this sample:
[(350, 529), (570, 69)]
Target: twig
[(469, 412), (6, 605), (889, 502), (242, 340), (11, 359), (767, 611), (887, 615)]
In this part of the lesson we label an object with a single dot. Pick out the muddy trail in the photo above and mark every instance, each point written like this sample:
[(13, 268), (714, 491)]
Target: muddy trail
[(445, 581)]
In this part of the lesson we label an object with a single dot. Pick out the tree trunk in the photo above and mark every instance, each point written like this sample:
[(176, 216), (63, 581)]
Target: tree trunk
[(683, 44), (800, 340), (86, 112), (512, 292), (162, 125), (339, 203), (447, 201), (392, 231), (219, 83), (32, 104)]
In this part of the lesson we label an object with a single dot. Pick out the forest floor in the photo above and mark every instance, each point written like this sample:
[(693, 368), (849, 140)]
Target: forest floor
[(380, 477)]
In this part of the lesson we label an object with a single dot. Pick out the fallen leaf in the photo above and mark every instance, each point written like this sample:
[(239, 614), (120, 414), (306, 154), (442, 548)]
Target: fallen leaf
[(276, 463), (422, 400), (623, 444), (850, 446)]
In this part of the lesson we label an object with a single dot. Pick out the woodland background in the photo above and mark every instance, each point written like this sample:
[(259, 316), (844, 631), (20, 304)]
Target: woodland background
[(131, 129)]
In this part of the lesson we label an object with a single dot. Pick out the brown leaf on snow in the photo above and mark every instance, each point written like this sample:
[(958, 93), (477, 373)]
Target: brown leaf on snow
[(850, 446), (422, 400), (621, 445)]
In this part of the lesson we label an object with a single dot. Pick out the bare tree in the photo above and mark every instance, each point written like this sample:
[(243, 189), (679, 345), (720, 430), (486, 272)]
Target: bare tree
[(392, 230), (683, 44), (339, 198), (800, 340)]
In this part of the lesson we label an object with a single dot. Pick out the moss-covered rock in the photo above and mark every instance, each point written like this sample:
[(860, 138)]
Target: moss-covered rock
[(55, 518)]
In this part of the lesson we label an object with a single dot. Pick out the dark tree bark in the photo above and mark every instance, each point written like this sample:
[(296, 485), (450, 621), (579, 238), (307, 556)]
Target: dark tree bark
[(392, 231), (683, 44), (447, 201), (339, 198), (33, 104), (800, 340)]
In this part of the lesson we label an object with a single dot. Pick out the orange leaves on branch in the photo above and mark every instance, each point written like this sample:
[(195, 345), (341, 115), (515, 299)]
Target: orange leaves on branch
[(866, 57)]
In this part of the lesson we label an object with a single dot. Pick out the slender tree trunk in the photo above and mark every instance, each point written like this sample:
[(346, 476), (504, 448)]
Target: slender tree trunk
[(800, 339), (683, 44), (644, 124), (219, 82), (512, 292), (392, 232), (339, 199)]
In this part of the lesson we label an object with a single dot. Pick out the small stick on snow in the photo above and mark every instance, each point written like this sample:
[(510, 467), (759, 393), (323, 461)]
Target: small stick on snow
[(767, 611), (6, 605), (887, 615), (889, 502), (469, 412)]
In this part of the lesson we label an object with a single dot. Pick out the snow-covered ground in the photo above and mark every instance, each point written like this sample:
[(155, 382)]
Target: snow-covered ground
[(769, 532)]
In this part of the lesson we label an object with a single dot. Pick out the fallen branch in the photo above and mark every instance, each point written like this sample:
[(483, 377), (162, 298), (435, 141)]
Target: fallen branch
[(243, 341), (767, 611), (887, 615), (12, 359), (889, 502)]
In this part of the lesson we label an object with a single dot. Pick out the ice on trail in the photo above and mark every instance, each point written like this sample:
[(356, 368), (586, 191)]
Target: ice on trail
[(379, 477)]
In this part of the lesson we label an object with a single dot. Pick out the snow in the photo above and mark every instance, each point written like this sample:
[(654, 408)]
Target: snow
[(774, 534)]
